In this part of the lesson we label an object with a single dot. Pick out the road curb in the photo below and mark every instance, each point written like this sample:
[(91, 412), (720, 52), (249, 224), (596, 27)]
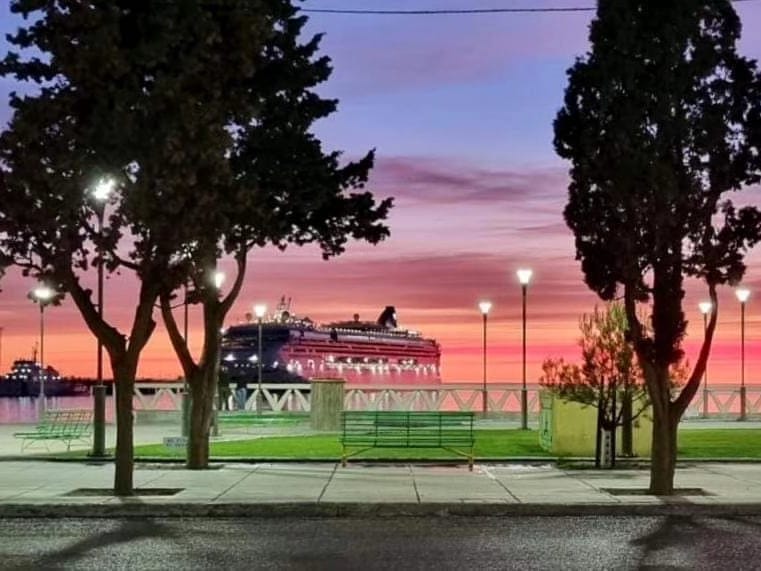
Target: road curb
[(134, 508)]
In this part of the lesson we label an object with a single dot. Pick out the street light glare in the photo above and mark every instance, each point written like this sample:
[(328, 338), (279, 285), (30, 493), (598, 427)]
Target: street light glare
[(259, 310), (484, 306), (103, 189), (705, 307), (218, 278), (742, 294), (42, 293), (524, 276)]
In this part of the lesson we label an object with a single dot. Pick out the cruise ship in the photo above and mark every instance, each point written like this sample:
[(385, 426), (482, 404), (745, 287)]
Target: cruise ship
[(360, 352)]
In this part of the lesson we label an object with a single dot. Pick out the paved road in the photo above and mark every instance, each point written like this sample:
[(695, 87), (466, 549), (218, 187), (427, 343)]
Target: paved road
[(405, 543)]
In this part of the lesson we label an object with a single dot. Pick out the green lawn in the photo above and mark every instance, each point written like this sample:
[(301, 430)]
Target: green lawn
[(489, 444), (247, 418), (720, 443), (702, 443)]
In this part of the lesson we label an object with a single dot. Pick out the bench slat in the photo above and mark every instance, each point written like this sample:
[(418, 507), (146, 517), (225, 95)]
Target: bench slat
[(62, 424), (407, 429)]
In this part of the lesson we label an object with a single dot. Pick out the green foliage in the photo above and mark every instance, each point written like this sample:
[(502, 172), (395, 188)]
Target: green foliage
[(660, 120), (142, 92), (608, 372)]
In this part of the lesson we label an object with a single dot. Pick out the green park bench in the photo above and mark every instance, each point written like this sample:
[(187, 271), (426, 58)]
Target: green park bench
[(65, 426), (452, 431)]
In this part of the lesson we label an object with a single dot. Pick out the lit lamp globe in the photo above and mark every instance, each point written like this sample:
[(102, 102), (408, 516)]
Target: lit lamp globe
[(705, 307), (484, 306), (42, 293), (218, 278), (103, 189), (743, 294), (524, 276), (259, 310)]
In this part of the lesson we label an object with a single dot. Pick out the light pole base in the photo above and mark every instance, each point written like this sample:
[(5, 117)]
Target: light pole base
[(524, 409), (185, 411), (743, 404), (99, 422)]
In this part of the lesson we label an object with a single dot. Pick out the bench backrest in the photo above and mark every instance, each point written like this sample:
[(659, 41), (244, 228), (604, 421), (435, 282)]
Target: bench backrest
[(73, 422), (408, 428)]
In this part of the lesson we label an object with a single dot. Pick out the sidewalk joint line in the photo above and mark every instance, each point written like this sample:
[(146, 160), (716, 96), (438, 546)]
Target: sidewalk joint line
[(414, 483), (237, 482), (330, 479), (500, 484)]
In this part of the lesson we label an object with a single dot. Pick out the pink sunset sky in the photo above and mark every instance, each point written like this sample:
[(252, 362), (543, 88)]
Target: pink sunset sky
[(460, 110)]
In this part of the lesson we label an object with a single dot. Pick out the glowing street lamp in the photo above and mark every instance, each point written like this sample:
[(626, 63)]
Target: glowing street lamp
[(101, 193), (484, 306), (259, 310), (705, 308), (218, 278), (42, 294), (524, 277), (742, 296)]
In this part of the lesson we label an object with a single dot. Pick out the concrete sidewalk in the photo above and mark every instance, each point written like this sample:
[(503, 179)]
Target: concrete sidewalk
[(45, 488)]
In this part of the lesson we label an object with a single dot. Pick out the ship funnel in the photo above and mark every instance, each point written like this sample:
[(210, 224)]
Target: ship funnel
[(387, 318)]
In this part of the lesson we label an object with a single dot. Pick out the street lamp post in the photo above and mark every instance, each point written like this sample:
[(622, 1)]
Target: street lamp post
[(185, 403), (485, 306), (524, 277), (217, 278), (259, 311), (705, 308), (101, 194), (742, 295), (42, 294)]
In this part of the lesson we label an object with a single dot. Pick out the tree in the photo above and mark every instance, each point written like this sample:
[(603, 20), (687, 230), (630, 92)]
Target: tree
[(660, 120), (122, 89), (283, 189), (608, 379)]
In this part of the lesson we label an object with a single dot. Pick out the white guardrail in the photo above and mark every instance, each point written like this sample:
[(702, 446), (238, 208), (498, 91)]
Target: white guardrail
[(721, 401)]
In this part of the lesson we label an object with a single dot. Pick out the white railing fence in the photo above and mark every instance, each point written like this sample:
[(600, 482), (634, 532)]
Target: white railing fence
[(723, 401)]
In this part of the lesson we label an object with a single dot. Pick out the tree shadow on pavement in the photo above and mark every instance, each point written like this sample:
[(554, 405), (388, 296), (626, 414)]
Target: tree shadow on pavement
[(126, 531), (684, 533)]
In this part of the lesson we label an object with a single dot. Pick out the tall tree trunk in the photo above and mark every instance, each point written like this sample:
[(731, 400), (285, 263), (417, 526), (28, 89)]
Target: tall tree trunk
[(598, 433), (663, 457), (202, 398), (124, 374), (627, 428), (203, 385)]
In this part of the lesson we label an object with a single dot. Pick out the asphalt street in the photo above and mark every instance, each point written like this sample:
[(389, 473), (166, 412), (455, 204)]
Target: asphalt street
[(383, 543)]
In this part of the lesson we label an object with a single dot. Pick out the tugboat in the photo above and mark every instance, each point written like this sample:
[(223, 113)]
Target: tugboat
[(361, 352)]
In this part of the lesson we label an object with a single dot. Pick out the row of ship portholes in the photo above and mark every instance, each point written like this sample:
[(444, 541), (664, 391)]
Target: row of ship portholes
[(297, 367)]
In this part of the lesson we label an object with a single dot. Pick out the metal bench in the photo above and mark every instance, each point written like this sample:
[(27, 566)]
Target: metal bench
[(452, 431), (63, 425)]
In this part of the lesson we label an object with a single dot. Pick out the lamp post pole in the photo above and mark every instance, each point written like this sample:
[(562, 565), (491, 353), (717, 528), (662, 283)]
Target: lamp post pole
[(101, 194), (742, 295), (705, 308), (259, 311), (524, 276), (42, 294), (99, 391), (484, 306), (218, 278), (42, 356), (185, 402)]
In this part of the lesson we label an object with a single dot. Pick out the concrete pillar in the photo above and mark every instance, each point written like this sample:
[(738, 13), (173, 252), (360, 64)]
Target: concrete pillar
[(327, 403)]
